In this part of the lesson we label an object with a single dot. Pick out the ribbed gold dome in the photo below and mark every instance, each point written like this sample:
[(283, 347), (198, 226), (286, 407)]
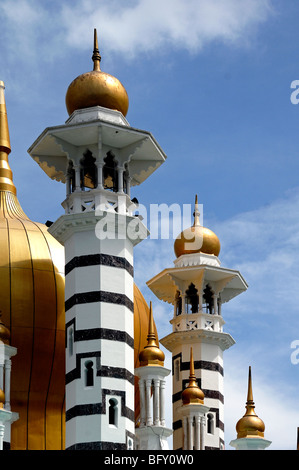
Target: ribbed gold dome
[(250, 425), (151, 355), (32, 305), (197, 239), (96, 88), (192, 393)]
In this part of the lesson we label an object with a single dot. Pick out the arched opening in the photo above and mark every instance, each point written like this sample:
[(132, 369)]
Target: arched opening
[(178, 303), (89, 374), (110, 174), (71, 178), (191, 299), (113, 410), (210, 423), (208, 299), (88, 171)]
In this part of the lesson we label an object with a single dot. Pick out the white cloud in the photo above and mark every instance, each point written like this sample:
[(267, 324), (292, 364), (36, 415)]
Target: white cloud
[(148, 25)]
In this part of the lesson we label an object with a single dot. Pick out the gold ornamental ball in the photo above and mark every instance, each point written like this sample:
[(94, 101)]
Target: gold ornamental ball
[(96, 88), (197, 239)]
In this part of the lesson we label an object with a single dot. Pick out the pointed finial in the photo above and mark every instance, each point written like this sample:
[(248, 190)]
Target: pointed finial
[(249, 392), (196, 213), (250, 424), (151, 354), (6, 179), (192, 393), (4, 132), (96, 57)]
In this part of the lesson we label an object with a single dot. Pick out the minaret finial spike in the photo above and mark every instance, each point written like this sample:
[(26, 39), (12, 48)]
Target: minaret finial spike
[(96, 57), (196, 213), (249, 393), (6, 178)]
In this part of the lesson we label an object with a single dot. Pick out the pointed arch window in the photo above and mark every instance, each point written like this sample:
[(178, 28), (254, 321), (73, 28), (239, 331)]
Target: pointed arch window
[(88, 171), (71, 178), (210, 423), (110, 173), (208, 299), (89, 374), (191, 299), (113, 412), (178, 303)]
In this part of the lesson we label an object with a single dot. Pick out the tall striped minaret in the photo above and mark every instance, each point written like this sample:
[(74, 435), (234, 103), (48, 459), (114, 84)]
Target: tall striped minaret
[(99, 157), (197, 286)]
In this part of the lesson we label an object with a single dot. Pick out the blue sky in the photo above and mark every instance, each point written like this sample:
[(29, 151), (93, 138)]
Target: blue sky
[(211, 80)]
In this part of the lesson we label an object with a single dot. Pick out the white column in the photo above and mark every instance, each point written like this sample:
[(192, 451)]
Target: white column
[(7, 369), (162, 402), (148, 402), (100, 175), (197, 433), (120, 170), (190, 433), (142, 402), (2, 428), (202, 433), (185, 432), (77, 178), (156, 400), (183, 303), (215, 304)]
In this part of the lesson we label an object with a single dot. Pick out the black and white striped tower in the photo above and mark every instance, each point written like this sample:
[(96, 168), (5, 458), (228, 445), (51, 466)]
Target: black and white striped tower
[(197, 286), (99, 157)]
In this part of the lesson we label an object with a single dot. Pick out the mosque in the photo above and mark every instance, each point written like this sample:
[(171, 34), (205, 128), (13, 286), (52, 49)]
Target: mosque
[(81, 366)]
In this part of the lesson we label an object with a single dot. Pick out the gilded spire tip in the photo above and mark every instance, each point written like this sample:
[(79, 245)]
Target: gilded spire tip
[(196, 213), (96, 57)]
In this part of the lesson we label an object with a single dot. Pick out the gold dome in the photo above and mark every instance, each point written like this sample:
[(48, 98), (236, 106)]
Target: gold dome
[(250, 425), (197, 239), (96, 88), (151, 355), (192, 394), (32, 302)]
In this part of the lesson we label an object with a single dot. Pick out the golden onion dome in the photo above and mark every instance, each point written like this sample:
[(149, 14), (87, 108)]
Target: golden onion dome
[(197, 239), (2, 399), (4, 332), (250, 425), (192, 393), (96, 88), (151, 355)]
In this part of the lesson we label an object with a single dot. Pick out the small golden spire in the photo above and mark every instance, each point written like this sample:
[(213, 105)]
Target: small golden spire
[(6, 182), (192, 394), (96, 57), (4, 132), (151, 354), (250, 424)]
